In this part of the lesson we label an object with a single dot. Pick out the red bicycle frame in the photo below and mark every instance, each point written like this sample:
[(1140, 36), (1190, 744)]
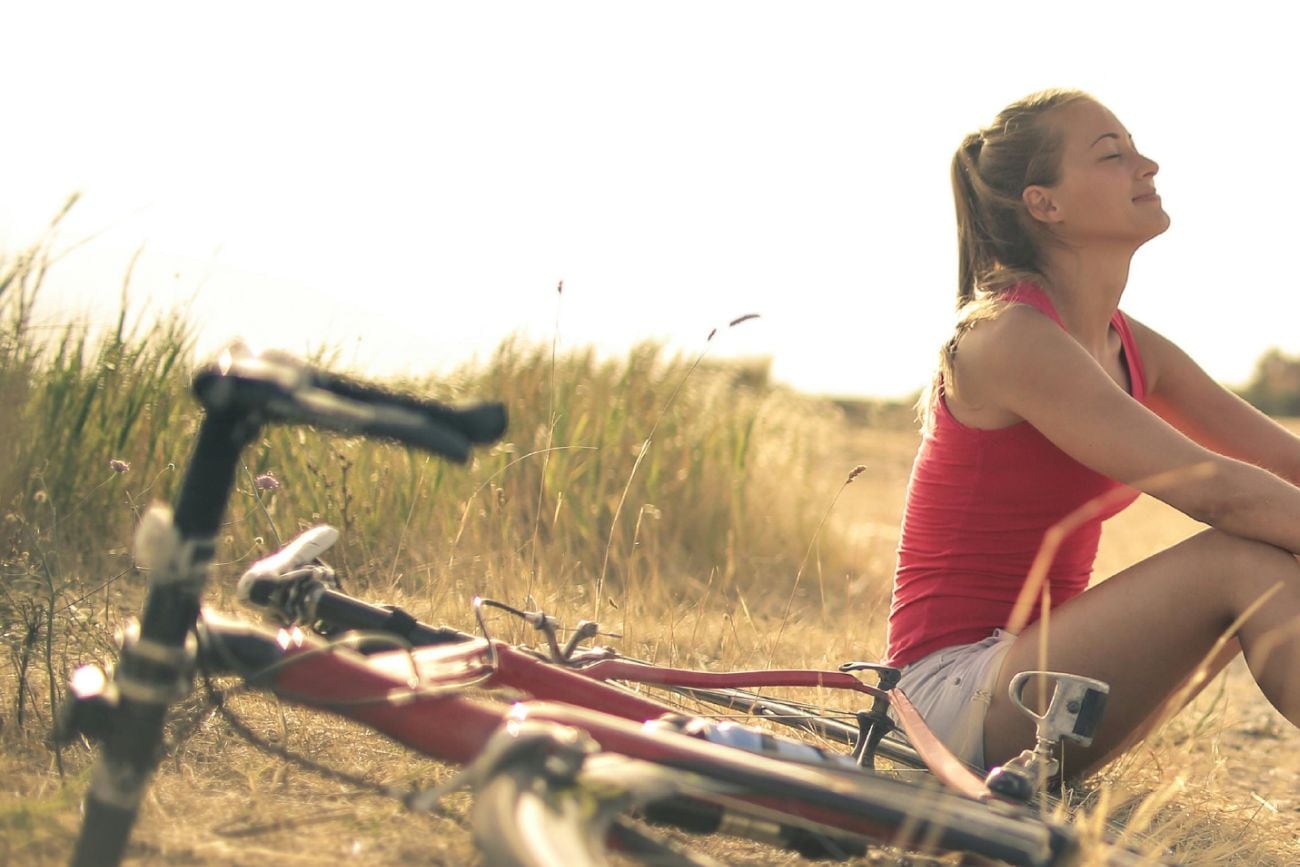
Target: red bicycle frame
[(418, 698), (490, 664)]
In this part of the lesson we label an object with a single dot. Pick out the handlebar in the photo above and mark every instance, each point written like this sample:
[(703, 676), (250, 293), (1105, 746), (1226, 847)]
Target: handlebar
[(275, 387)]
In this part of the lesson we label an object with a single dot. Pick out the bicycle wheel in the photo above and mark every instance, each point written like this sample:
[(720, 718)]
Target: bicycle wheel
[(530, 811), (816, 813)]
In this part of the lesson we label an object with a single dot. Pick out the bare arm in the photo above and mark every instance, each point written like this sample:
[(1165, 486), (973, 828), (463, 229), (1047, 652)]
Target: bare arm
[(1025, 365), (1184, 395)]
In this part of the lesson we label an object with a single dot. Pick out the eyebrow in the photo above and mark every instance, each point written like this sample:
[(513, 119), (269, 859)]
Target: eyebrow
[(1107, 135)]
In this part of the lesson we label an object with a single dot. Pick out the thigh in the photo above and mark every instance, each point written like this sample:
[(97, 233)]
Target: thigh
[(1145, 631)]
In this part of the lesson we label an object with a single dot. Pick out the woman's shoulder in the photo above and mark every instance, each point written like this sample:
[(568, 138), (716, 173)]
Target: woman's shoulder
[(992, 354), (996, 325)]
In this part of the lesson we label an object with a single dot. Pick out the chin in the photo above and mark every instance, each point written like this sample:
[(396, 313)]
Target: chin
[(1162, 226)]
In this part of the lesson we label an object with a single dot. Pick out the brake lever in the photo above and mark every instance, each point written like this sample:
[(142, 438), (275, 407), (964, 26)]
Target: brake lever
[(275, 573)]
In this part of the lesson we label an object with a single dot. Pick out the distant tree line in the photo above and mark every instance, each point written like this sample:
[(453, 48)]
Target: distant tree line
[(1274, 388)]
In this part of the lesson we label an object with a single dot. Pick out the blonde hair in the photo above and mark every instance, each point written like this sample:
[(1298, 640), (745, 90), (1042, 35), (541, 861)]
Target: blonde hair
[(999, 244)]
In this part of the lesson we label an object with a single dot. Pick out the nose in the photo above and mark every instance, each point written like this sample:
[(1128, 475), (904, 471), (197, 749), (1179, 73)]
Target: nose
[(1149, 166)]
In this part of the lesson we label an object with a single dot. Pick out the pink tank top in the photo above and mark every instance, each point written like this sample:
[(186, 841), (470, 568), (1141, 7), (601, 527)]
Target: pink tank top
[(978, 504)]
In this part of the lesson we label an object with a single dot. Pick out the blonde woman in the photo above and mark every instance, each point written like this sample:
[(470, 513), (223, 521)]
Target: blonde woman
[(1047, 397)]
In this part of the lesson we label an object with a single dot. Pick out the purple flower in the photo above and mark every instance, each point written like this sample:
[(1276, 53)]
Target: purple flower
[(118, 466), (266, 482)]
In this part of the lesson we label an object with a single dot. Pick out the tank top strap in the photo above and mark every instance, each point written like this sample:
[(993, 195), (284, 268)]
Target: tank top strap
[(1033, 295), (1132, 356)]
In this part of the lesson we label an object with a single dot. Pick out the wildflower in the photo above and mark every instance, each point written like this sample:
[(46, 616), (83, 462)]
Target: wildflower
[(267, 482), (119, 466)]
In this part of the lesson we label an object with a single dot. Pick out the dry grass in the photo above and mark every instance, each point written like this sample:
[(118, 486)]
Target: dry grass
[(701, 512)]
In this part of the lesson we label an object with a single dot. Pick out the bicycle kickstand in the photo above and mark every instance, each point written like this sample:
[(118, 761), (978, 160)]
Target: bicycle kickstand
[(1073, 714)]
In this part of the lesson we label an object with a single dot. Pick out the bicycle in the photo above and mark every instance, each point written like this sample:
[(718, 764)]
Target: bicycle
[(296, 588), (821, 803)]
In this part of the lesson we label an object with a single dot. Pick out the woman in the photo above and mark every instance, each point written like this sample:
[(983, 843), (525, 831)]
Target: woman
[(1048, 397)]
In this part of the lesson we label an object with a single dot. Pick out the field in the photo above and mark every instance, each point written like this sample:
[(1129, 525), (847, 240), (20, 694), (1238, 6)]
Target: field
[(707, 516)]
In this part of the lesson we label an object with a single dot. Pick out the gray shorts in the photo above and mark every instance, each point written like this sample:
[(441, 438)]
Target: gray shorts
[(952, 688)]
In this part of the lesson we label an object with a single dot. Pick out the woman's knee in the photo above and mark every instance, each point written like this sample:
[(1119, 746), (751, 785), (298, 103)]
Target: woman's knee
[(1231, 550), (1239, 567)]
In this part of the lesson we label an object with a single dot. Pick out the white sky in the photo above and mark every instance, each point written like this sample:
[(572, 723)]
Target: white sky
[(408, 182)]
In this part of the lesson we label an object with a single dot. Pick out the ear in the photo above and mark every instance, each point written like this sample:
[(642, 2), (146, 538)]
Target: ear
[(1042, 204)]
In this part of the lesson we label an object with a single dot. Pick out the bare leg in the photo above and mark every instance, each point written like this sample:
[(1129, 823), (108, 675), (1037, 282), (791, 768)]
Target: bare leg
[(1146, 630), (1177, 698)]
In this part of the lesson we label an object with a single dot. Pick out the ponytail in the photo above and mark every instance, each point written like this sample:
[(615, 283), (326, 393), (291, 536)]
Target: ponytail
[(999, 243), (973, 257)]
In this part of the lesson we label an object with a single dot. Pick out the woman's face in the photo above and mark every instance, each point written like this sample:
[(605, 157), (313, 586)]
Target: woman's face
[(1106, 192)]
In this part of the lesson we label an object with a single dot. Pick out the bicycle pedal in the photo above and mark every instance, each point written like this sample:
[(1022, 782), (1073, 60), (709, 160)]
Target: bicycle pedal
[(1074, 711)]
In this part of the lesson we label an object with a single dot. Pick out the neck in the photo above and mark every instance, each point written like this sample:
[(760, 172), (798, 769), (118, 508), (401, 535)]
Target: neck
[(1085, 287)]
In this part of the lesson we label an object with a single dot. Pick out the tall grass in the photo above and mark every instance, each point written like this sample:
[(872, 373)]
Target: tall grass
[(578, 499), (723, 492), (603, 486)]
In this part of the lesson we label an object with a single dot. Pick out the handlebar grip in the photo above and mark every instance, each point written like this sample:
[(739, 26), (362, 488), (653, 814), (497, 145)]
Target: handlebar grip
[(482, 423), (414, 428)]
